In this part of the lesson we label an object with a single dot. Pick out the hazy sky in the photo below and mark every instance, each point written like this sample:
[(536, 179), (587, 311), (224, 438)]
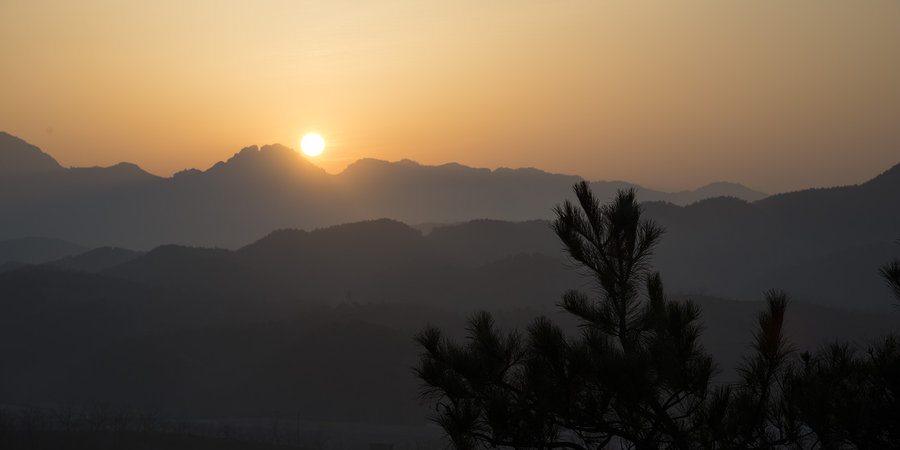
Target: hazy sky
[(777, 95)]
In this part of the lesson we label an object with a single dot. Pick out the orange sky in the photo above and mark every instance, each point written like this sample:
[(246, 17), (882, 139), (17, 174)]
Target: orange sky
[(671, 95)]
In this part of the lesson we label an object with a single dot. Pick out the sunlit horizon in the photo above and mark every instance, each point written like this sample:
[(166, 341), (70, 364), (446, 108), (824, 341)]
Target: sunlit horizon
[(775, 96), (335, 165)]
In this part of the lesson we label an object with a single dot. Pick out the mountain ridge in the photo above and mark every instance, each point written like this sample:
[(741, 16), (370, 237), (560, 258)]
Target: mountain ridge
[(260, 189), (18, 158), (272, 152)]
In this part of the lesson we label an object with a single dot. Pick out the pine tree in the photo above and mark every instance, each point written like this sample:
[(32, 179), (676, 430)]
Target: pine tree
[(635, 373)]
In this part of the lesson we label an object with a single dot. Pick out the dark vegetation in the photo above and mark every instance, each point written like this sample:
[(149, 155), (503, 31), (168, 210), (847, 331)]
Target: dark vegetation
[(636, 375)]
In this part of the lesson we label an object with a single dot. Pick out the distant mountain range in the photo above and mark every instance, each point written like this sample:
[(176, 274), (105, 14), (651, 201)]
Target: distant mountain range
[(722, 247), (317, 324), (824, 245), (261, 189)]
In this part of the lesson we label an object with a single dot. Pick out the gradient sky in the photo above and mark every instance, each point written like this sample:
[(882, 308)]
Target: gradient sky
[(777, 95)]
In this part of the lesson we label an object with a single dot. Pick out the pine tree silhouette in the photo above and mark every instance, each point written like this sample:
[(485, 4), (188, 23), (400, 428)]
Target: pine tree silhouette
[(635, 375)]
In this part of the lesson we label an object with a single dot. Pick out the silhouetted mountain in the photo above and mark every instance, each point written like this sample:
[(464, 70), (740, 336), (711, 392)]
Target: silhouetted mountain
[(414, 193), (730, 248), (483, 241), (733, 248), (273, 187), (349, 247), (410, 192), (823, 245), (370, 261), (100, 178), (712, 190), (317, 324), (36, 250), (273, 162), (96, 260), (190, 269), (19, 158), (606, 190), (724, 247), (73, 203)]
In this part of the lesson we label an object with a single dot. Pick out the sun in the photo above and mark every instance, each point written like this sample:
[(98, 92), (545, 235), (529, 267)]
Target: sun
[(312, 144)]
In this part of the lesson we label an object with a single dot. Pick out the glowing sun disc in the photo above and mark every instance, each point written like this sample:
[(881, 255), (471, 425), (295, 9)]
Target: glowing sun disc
[(312, 144)]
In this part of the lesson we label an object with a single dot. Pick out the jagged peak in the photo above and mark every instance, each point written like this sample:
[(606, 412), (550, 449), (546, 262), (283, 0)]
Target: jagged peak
[(278, 148), (272, 157), (187, 172), (254, 152)]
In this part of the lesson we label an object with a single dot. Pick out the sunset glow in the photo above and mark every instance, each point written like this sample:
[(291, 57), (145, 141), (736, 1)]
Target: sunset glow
[(404, 224), (775, 95), (312, 144)]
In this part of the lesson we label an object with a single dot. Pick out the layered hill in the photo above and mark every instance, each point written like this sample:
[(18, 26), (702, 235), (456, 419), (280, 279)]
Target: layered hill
[(233, 319), (822, 244), (310, 324), (261, 189)]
